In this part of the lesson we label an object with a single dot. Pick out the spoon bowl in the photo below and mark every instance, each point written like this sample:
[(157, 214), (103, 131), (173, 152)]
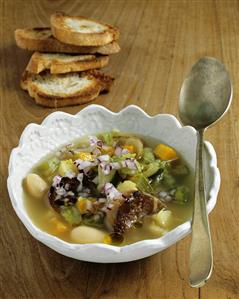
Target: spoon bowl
[(206, 94), (205, 97)]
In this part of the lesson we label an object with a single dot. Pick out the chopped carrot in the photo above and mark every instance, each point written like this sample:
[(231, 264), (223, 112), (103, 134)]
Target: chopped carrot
[(165, 153), (107, 239), (84, 204), (81, 205), (58, 225)]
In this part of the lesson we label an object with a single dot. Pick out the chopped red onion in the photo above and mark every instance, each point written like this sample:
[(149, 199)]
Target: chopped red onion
[(56, 180), (165, 196), (103, 158), (116, 165), (94, 141), (118, 151), (125, 151), (70, 174), (130, 163), (61, 191), (105, 167), (86, 170), (96, 152), (82, 164), (111, 192)]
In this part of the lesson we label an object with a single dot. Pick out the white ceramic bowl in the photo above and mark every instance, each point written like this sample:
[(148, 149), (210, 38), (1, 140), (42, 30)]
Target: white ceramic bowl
[(60, 128)]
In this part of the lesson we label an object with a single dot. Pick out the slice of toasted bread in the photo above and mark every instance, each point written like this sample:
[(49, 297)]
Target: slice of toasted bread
[(82, 31), (65, 63), (41, 39), (65, 89)]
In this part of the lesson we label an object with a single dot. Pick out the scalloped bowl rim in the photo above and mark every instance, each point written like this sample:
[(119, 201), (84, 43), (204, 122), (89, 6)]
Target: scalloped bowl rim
[(54, 242)]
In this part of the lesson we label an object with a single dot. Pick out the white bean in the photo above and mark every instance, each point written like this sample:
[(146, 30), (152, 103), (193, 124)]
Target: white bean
[(35, 185), (85, 234)]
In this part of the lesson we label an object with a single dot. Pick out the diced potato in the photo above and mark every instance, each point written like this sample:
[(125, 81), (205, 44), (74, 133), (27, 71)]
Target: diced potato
[(67, 166), (165, 153), (85, 234), (127, 186), (156, 230), (164, 218), (35, 185), (83, 156)]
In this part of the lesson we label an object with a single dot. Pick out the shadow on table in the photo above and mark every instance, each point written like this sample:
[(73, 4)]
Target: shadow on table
[(13, 63), (91, 280)]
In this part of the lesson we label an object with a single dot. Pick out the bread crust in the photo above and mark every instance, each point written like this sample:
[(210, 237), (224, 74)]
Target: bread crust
[(41, 39), (83, 96), (57, 65), (68, 35)]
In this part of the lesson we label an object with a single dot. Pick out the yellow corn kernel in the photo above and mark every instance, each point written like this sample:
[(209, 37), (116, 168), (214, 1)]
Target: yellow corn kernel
[(107, 239), (58, 225), (83, 156), (164, 152), (130, 148), (109, 150)]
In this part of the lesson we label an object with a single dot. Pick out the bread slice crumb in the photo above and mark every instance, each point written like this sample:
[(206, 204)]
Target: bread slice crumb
[(62, 90)]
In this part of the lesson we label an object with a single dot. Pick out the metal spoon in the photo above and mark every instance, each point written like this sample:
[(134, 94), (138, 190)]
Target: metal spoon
[(205, 97)]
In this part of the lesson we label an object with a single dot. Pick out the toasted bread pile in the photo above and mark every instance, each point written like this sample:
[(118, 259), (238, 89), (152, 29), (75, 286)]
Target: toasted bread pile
[(64, 69)]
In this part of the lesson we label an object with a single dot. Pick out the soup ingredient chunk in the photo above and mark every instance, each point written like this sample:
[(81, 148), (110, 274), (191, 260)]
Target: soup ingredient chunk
[(133, 209), (35, 185), (85, 234)]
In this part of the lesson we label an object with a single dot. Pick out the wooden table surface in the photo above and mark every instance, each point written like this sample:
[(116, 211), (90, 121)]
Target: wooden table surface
[(160, 41)]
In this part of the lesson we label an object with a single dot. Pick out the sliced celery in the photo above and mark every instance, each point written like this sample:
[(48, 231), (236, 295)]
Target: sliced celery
[(168, 180), (142, 183), (107, 138), (151, 168), (181, 195), (48, 168), (71, 215), (148, 155)]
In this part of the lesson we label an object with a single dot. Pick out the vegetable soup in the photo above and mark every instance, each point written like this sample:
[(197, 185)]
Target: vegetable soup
[(114, 188)]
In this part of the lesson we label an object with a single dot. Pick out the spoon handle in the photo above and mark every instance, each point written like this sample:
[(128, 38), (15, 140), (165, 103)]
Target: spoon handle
[(201, 259)]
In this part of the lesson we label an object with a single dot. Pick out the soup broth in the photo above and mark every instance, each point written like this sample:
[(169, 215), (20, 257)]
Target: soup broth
[(153, 224)]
